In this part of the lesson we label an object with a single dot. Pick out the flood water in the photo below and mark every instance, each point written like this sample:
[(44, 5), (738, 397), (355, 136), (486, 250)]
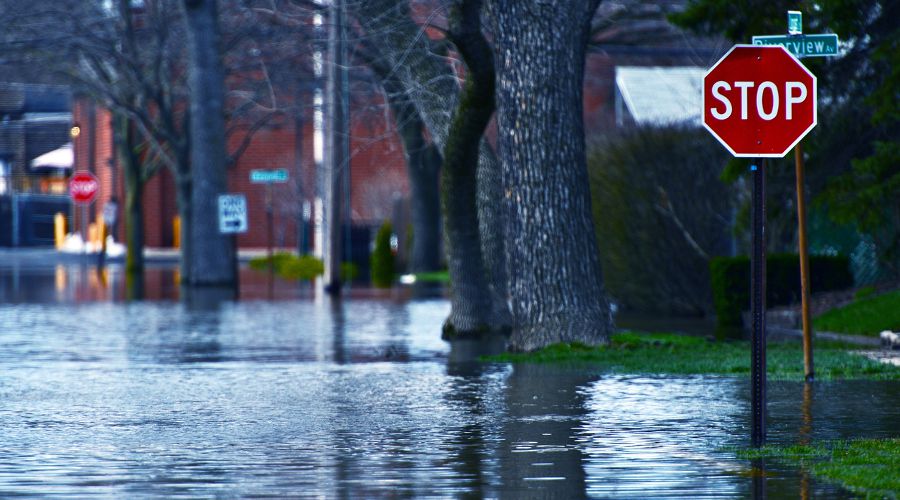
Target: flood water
[(359, 398)]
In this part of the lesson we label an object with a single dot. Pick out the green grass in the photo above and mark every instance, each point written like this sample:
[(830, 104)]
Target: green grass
[(661, 353), (867, 466), (868, 316), (433, 277)]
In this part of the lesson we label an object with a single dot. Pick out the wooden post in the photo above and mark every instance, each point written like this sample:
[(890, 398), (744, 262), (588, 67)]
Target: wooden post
[(804, 265)]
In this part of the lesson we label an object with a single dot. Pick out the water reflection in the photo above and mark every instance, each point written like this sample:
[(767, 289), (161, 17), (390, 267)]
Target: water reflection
[(358, 398)]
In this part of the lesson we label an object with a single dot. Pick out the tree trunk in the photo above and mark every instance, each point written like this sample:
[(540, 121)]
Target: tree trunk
[(337, 146), (134, 195), (210, 254), (471, 310), (423, 164), (183, 193), (557, 289), (429, 82)]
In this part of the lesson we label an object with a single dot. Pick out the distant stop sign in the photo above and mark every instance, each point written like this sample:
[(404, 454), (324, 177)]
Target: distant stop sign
[(83, 187), (759, 101)]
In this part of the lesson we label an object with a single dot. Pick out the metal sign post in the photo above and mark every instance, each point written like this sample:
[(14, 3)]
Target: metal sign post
[(758, 306), (784, 94), (269, 177), (800, 45)]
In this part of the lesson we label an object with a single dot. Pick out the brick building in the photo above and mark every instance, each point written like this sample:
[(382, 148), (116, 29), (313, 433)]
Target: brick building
[(377, 176), (34, 125)]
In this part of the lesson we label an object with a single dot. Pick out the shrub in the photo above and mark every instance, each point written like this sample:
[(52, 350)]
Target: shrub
[(305, 267), (660, 210), (382, 258), (349, 271), (289, 266), (730, 281)]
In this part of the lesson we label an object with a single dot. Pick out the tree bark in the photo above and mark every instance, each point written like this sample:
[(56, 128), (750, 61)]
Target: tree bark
[(431, 84), (134, 194), (471, 310), (423, 165), (337, 146), (210, 255), (557, 289)]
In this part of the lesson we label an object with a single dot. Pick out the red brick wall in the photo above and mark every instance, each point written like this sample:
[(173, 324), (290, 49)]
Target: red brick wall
[(377, 176)]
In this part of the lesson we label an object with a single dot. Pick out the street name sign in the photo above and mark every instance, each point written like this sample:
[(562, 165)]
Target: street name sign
[(232, 213), (759, 101), (83, 187), (795, 22), (276, 176), (802, 45)]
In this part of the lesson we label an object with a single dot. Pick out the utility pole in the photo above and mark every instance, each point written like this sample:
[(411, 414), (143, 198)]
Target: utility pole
[(337, 138)]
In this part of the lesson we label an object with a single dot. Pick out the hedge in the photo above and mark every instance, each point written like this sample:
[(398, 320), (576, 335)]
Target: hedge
[(382, 258), (730, 280)]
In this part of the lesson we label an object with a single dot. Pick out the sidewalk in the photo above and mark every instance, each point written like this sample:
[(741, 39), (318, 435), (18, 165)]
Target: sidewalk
[(49, 256)]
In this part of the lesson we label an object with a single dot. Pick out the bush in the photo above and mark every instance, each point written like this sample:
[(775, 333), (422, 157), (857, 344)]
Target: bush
[(305, 267), (382, 258), (289, 266), (730, 281), (660, 211), (349, 271)]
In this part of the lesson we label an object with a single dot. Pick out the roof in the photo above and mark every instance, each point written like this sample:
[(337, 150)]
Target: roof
[(661, 95), (34, 98), (62, 157)]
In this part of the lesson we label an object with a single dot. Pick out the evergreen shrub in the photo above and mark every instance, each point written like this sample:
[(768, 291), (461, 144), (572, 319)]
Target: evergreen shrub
[(382, 259), (730, 281)]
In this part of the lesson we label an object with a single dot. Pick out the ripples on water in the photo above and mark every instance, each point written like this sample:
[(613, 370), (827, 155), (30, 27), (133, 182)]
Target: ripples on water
[(305, 398)]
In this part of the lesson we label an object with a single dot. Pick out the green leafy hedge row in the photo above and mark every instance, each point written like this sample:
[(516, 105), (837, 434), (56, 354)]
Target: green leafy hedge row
[(382, 258), (730, 277), (289, 266)]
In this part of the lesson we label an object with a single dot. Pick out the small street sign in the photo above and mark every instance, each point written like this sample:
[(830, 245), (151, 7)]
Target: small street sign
[(759, 101), (232, 213), (795, 22), (276, 176), (802, 45), (83, 187)]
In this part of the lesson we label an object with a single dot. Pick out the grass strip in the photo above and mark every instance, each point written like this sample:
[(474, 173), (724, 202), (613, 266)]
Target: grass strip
[(666, 353), (867, 316), (870, 467), (433, 277)]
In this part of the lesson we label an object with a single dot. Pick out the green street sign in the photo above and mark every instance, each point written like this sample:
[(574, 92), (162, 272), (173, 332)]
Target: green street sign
[(277, 175), (795, 22), (802, 45)]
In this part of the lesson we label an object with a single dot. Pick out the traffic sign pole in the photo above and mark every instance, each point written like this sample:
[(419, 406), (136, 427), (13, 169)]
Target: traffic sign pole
[(759, 102), (758, 306), (270, 237)]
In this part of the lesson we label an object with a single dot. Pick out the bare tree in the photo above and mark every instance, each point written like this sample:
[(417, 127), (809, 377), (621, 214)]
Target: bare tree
[(132, 60), (557, 290), (421, 66)]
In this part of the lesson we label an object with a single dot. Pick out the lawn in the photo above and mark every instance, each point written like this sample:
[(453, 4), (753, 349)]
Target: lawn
[(662, 353), (870, 467), (433, 277), (868, 316)]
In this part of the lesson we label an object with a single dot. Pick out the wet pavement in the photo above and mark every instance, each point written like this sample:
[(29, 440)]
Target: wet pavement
[(305, 397)]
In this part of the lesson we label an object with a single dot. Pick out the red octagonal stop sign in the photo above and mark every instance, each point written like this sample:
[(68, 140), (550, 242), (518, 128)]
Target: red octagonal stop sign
[(83, 187), (759, 100)]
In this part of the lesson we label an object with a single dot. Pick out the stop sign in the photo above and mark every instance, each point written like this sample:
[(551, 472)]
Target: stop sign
[(83, 187), (759, 100)]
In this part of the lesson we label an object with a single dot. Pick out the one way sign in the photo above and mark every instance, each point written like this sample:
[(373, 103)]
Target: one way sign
[(232, 213)]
